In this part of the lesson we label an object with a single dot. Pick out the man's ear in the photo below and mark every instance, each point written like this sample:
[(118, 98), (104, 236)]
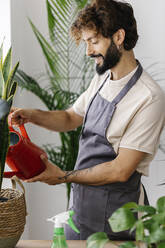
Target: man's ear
[(119, 37)]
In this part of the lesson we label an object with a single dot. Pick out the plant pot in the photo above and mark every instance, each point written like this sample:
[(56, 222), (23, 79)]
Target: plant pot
[(12, 215)]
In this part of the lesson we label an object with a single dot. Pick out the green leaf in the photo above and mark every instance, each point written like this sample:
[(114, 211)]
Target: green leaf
[(159, 218), (9, 83), (48, 51), (51, 20), (128, 244), (130, 205), (139, 231), (6, 65), (161, 204), (97, 240), (157, 234), (13, 89), (147, 209), (161, 245), (122, 219), (2, 85)]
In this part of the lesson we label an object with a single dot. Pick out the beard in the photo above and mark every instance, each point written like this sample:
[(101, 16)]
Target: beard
[(111, 59)]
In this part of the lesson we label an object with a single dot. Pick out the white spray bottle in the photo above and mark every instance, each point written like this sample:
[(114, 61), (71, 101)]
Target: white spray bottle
[(59, 240)]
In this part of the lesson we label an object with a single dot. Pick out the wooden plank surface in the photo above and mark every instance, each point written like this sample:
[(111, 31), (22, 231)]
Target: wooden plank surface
[(47, 244)]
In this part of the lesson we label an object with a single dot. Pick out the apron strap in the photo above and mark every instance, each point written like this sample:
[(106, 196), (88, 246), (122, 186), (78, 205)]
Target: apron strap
[(129, 85)]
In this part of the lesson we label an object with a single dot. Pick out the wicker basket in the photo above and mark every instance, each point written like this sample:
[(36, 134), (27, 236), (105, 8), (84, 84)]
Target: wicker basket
[(12, 215)]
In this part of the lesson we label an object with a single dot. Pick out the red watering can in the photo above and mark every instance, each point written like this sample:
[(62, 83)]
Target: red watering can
[(23, 156)]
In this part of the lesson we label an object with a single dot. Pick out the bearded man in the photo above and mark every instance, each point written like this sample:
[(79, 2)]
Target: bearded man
[(122, 113)]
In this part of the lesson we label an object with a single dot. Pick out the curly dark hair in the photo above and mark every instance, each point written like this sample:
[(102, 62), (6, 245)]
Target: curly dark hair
[(107, 17)]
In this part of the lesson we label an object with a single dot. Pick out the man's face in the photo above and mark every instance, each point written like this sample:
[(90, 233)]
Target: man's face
[(102, 49)]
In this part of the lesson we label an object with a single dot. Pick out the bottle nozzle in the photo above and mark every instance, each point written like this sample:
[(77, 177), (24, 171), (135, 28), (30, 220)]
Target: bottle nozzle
[(62, 218)]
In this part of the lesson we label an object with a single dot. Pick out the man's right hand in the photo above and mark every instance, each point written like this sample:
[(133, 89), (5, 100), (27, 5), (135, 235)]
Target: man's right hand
[(19, 116)]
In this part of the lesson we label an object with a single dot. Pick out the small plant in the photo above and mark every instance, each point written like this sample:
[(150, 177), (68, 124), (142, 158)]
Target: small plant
[(149, 228), (7, 90)]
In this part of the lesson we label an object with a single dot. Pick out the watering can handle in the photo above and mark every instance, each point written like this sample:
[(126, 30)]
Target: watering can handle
[(21, 127), (23, 132)]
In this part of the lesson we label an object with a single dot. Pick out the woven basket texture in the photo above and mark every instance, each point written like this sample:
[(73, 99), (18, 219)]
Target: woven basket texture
[(12, 213)]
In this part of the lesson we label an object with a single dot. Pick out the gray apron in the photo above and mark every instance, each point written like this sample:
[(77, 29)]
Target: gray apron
[(93, 205)]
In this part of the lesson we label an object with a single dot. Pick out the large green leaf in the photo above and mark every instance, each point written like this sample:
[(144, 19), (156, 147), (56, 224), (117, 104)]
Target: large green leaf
[(97, 240), (7, 65), (161, 204), (122, 219)]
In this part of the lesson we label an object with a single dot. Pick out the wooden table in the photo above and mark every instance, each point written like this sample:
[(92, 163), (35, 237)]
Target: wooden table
[(47, 244)]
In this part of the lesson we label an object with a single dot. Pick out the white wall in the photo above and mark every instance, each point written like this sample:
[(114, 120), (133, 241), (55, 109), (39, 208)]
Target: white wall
[(5, 27), (45, 201), (150, 50)]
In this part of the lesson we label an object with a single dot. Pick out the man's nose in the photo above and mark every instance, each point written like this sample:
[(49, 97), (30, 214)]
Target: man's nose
[(89, 50)]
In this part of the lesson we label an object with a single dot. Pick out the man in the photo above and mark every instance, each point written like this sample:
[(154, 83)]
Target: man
[(122, 113)]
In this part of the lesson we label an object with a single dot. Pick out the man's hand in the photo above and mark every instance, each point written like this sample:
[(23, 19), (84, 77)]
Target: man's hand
[(19, 116), (52, 175)]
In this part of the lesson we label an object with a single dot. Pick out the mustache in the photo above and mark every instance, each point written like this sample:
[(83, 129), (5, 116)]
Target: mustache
[(96, 55)]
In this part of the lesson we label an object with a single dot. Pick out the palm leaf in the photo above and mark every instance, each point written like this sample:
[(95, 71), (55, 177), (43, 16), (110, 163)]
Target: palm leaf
[(49, 53)]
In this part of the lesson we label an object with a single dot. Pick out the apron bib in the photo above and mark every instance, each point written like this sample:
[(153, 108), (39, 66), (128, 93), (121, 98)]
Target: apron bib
[(93, 205)]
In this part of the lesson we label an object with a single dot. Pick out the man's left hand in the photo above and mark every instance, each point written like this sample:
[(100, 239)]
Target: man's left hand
[(52, 174)]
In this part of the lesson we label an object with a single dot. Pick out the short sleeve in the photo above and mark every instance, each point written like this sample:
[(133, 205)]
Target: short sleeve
[(82, 102), (79, 105), (143, 131)]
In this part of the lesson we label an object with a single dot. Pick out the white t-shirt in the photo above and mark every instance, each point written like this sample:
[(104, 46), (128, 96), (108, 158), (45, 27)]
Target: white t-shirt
[(139, 117)]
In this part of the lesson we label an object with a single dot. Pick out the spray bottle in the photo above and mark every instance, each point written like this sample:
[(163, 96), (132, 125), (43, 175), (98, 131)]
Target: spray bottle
[(59, 240)]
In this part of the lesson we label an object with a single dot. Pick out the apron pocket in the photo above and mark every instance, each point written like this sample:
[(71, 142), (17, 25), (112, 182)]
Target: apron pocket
[(90, 206)]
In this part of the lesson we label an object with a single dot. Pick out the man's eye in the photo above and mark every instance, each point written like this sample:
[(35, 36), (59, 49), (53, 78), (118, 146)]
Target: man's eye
[(95, 42)]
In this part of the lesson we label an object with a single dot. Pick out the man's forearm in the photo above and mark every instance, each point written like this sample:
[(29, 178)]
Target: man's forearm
[(117, 170), (52, 120), (60, 121), (97, 175)]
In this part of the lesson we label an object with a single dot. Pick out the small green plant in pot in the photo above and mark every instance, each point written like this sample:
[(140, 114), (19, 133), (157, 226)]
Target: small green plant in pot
[(12, 201), (7, 91), (149, 228)]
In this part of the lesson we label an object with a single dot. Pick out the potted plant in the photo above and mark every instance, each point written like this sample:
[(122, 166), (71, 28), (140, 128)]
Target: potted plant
[(149, 228), (12, 201)]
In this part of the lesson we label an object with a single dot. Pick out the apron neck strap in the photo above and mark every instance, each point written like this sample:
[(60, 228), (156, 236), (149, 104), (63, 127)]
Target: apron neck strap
[(129, 85)]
